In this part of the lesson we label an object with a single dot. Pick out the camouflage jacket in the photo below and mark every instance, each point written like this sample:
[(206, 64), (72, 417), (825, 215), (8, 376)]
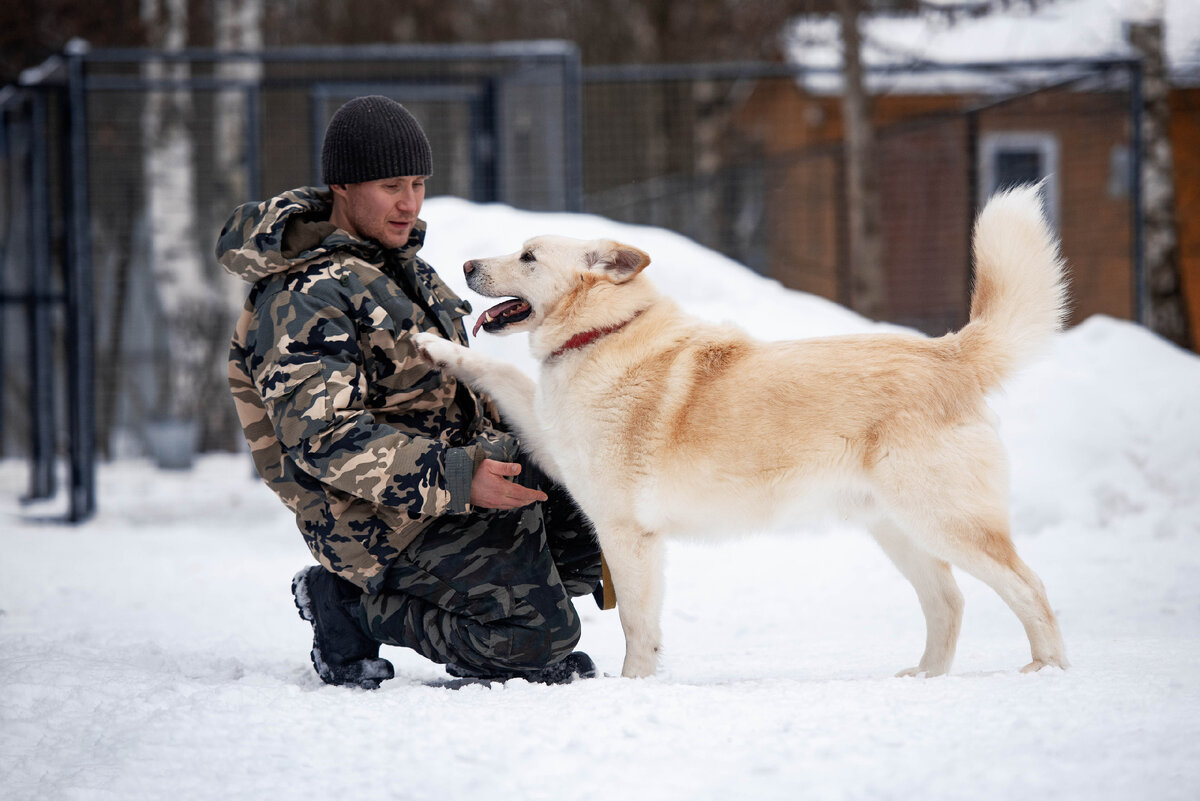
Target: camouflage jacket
[(346, 423)]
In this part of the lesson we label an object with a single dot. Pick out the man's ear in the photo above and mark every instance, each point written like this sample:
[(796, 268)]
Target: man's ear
[(619, 262)]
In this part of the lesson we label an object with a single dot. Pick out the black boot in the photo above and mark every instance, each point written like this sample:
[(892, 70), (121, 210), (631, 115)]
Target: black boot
[(342, 653), (576, 665)]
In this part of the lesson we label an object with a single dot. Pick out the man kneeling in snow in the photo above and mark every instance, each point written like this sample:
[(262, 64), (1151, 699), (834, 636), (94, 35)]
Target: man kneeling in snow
[(401, 479)]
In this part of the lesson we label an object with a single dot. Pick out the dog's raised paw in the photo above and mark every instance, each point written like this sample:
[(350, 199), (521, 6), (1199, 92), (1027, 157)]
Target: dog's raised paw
[(441, 353)]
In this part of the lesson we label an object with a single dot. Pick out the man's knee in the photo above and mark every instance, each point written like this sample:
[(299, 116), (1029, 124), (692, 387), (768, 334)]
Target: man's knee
[(523, 647)]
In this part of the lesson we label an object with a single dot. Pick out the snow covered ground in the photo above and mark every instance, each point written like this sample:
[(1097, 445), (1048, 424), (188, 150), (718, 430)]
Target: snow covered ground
[(155, 653)]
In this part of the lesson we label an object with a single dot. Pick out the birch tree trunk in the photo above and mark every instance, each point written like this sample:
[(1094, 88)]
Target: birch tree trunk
[(868, 288), (1165, 306), (237, 28), (169, 191)]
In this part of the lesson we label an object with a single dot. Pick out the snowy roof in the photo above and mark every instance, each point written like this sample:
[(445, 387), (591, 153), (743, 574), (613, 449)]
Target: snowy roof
[(956, 32)]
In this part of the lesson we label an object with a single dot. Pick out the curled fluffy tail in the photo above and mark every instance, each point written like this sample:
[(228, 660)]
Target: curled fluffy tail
[(1020, 294)]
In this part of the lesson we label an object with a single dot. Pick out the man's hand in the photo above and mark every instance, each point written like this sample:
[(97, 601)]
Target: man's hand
[(491, 488)]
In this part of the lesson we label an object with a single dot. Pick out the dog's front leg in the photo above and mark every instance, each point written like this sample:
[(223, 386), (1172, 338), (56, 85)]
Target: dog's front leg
[(471, 366), (512, 390), (635, 562)]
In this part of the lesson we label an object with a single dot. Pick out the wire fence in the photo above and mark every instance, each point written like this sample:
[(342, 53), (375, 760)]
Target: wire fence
[(752, 165), (117, 168)]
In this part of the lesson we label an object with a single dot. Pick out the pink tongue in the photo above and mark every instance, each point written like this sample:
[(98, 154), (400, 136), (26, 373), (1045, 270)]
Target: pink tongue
[(495, 313)]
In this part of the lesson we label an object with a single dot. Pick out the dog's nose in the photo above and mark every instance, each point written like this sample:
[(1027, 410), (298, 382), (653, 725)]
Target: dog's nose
[(468, 268)]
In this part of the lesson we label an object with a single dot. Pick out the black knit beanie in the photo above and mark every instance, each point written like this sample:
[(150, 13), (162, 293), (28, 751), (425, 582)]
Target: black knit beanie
[(371, 138)]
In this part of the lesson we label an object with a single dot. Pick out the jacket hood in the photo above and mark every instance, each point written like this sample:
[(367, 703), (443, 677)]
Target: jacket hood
[(289, 230)]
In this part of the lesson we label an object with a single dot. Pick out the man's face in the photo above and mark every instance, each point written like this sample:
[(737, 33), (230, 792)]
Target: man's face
[(385, 210)]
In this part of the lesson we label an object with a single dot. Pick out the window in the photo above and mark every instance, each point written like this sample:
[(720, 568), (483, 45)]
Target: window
[(1011, 158)]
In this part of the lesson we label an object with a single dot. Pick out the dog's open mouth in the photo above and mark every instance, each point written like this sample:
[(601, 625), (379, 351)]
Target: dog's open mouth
[(502, 314)]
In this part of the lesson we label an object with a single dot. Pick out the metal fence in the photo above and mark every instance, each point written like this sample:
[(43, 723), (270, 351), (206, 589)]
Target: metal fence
[(744, 158), (116, 162), (748, 160)]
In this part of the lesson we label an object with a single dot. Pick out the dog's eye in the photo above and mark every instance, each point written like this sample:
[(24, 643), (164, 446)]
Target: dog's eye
[(527, 257)]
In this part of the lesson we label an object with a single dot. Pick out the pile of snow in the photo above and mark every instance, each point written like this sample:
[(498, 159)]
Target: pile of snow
[(155, 653)]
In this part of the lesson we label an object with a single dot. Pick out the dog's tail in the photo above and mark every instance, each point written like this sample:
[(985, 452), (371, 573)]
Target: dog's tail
[(1020, 294)]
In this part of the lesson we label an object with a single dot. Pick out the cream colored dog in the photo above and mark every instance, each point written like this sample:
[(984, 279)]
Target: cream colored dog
[(661, 425)]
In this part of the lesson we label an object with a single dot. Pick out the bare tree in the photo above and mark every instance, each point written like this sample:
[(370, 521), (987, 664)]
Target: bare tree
[(169, 179), (1165, 307), (867, 290), (237, 27)]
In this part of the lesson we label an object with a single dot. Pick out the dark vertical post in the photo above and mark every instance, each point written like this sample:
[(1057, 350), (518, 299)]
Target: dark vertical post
[(316, 129), (972, 145), (1135, 191), (572, 78), (5, 249), (845, 278), (80, 325), (485, 145), (253, 126), (40, 297)]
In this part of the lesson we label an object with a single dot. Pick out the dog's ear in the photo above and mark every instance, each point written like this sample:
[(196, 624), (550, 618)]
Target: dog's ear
[(619, 262)]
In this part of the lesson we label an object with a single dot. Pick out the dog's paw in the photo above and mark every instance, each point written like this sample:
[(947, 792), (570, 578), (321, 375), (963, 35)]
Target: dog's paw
[(438, 351), (639, 666), (919, 672)]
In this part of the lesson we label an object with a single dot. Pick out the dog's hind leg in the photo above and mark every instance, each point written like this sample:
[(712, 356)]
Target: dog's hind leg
[(937, 591), (953, 503), (635, 562), (987, 553)]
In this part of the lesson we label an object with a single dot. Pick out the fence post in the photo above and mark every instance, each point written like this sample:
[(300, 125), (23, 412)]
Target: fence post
[(573, 133), (80, 323), (42, 484), (253, 125), (5, 251)]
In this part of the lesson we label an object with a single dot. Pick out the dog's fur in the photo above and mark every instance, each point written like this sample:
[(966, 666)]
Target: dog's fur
[(662, 425)]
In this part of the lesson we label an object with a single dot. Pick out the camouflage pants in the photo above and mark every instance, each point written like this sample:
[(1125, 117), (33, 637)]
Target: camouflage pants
[(490, 592)]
